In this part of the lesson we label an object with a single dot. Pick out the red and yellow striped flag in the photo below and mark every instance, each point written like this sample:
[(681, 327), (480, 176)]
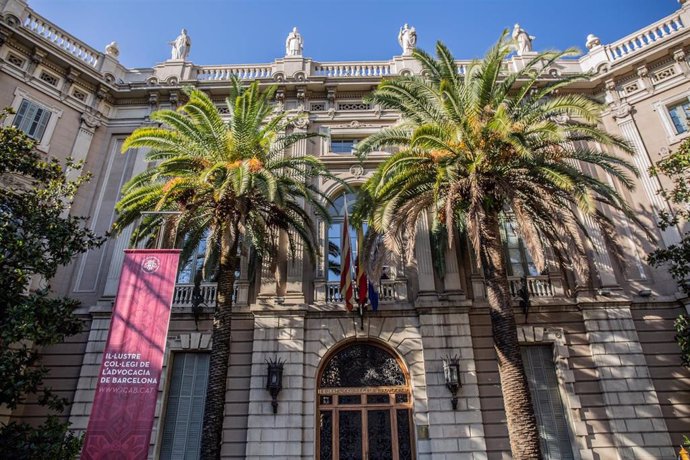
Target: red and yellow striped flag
[(346, 263)]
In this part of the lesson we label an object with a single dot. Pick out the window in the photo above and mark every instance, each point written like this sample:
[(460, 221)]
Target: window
[(32, 119), (519, 260), (546, 399), (364, 406), (185, 408), (194, 265), (679, 114), (343, 145)]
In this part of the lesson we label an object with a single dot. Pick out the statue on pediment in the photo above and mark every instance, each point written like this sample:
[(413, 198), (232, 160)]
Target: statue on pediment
[(181, 46), (522, 40), (407, 37), (294, 43)]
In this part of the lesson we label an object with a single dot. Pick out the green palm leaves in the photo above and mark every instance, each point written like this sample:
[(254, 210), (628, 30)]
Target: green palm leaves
[(490, 141), (217, 170)]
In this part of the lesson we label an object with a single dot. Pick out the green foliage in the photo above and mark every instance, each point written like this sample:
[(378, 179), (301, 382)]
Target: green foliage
[(231, 181), (682, 325), (36, 238), (676, 167), (219, 174), (484, 143)]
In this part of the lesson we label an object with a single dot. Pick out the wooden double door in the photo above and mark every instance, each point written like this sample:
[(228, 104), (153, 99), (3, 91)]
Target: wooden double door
[(366, 426)]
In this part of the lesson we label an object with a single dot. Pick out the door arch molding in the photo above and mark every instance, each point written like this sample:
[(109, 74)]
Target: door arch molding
[(363, 403)]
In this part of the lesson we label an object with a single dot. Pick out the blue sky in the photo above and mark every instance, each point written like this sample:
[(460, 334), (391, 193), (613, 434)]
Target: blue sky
[(245, 31)]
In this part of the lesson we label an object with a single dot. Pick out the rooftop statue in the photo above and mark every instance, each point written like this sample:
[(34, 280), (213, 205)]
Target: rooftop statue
[(407, 37), (523, 40), (181, 46), (294, 43)]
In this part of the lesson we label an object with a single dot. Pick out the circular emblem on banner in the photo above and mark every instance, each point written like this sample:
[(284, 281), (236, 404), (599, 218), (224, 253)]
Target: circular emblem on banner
[(150, 264)]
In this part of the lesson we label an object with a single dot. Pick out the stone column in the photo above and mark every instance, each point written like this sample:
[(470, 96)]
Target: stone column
[(602, 260), (122, 240), (451, 281), (631, 403), (269, 282), (650, 185), (294, 291), (425, 268)]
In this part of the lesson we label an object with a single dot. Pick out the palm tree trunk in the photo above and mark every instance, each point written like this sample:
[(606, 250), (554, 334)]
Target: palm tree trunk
[(522, 424), (214, 408)]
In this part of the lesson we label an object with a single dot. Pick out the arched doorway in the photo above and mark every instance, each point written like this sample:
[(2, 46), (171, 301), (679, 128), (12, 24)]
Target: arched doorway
[(364, 405)]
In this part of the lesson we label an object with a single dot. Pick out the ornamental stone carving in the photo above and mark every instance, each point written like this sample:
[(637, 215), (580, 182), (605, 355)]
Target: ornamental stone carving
[(294, 43), (407, 37), (522, 40), (181, 46), (357, 171), (592, 42), (112, 50)]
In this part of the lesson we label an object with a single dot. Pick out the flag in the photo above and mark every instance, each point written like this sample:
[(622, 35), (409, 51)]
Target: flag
[(124, 404), (346, 263), (361, 277), (373, 297)]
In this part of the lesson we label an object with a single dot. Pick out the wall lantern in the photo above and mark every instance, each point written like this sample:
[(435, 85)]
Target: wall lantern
[(451, 372), (274, 380)]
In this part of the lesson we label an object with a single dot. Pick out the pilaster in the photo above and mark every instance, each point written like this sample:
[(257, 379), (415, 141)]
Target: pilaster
[(122, 240), (82, 143), (650, 185), (425, 269), (631, 402)]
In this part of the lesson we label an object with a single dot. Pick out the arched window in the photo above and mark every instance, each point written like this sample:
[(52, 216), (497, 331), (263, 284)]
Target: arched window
[(364, 406)]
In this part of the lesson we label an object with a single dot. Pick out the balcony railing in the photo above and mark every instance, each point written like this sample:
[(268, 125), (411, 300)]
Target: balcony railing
[(389, 291), (61, 39), (182, 296), (654, 33), (537, 286), (242, 72)]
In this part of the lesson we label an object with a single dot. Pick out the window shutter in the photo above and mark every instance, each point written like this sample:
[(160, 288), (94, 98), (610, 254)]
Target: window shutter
[(42, 121), (32, 119), (546, 399), (181, 438)]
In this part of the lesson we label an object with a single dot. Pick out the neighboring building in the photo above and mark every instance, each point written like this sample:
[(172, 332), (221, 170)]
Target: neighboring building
[(601, 356)]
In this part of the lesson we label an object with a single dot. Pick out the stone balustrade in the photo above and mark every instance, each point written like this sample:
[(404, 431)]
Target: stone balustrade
[(304, 69), (58, 37), (182, 296), (389, 291), (243, 72), (353, 69), (659, 31), (538, 286)]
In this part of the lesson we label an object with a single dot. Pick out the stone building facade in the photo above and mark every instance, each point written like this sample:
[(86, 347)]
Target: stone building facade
[(603, 352)]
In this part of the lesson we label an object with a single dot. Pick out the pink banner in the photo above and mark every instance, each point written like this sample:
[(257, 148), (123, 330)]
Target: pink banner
[(123, 408)]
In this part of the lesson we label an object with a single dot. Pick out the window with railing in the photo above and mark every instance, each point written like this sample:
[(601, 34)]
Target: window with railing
[(519, 259)]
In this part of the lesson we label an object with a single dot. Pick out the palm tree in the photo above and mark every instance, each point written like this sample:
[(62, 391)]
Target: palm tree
[(232, 183), (482, 145)]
